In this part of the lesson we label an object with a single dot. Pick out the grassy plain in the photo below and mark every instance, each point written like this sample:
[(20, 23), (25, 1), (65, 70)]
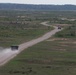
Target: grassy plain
[(54, 56), (17, 27)]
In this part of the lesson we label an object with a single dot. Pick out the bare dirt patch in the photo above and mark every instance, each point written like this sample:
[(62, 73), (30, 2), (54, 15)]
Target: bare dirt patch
[(62, 49), (64, 45), (68, 42), (54, 39), (62, 25), (65, 42), (74, 42)]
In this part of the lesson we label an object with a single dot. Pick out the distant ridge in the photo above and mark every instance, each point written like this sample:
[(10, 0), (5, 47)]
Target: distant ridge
[(8, 6)]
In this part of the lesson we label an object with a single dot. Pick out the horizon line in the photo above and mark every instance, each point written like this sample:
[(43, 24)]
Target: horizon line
[(35, 4)]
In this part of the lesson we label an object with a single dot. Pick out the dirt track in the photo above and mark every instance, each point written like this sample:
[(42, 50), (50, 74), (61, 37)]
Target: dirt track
[(7, 54)]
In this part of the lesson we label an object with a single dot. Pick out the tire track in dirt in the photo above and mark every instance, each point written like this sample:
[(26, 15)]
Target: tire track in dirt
[(7, 56)]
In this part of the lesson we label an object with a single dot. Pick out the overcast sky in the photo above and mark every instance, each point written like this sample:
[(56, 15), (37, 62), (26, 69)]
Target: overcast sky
[(56, 2)]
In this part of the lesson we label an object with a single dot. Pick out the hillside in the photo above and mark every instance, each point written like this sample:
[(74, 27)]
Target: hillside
[(7, 6)]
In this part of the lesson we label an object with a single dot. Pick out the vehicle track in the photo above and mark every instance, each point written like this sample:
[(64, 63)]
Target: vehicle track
[(8, 54)]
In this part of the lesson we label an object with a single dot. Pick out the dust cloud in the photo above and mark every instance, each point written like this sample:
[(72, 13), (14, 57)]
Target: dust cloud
[(6, 55)]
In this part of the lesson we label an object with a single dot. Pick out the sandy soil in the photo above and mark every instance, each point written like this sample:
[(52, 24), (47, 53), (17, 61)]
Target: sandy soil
[(54, 39), (8, 54)]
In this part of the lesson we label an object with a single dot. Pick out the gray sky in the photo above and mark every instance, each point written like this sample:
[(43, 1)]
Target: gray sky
[(59, 2)]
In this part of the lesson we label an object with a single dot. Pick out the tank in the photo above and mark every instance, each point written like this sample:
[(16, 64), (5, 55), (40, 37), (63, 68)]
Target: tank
[(14, 47)]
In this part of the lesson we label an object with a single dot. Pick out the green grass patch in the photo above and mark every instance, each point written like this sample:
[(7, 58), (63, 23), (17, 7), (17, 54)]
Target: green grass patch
[(17, 36), (69, 32), (45, 58)]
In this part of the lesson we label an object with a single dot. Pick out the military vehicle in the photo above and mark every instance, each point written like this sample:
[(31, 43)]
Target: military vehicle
[(14, 47), (59, 27)]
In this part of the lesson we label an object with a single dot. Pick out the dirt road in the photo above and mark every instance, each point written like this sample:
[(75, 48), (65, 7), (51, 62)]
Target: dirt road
[(42, 38), (8, 54)]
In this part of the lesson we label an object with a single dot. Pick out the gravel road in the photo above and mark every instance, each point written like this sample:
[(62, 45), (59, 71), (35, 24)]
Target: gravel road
[(7, 54)]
